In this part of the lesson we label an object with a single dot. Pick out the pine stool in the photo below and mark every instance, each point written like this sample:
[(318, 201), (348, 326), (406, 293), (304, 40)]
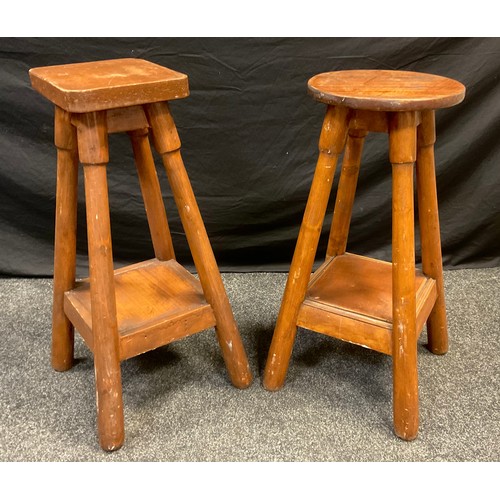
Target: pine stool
[(357, 299), (126, 312)]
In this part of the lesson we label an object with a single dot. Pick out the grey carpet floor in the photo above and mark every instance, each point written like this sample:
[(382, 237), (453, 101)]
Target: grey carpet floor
[(179, 405)]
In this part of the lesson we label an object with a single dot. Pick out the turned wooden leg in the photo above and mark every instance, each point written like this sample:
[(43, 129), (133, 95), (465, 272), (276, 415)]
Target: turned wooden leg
[(93, 151), (331, 143), (151, 193), (65, 238), (402, 147), (432, 264), (348, 181), (167, 143)]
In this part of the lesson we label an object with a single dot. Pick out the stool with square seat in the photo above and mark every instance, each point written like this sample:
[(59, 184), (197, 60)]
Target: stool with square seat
[(378, 305), (125, 312)]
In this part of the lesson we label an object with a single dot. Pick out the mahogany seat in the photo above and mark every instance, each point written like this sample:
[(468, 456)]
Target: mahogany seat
[(124, 312), (378, 305), (115, 83), (385, 90)]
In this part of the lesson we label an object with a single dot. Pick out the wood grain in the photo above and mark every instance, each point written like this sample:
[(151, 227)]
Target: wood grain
[(339, 231), (92, 145), (402, 152), (157, 302), (92, 129), (151, 194), (430, 237), (106, 349), (350, 298), (332, 140), (364, 120), (126, 119), (65, 238), (101, 85), (167, 144), (163, 129), (386, 90)]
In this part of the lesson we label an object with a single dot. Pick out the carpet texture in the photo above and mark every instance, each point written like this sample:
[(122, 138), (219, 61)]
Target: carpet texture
[(180, 406)]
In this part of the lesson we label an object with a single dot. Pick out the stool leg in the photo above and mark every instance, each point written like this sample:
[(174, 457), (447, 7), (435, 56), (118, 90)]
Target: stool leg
[(331, 143), (151, 194), (93, 150), (432, 264), (342, 213), (65, 238), (167, 143), (402, 146)]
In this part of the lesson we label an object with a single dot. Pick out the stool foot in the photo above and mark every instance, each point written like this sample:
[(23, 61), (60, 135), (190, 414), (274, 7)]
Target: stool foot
[(109, 402), (332, 141)]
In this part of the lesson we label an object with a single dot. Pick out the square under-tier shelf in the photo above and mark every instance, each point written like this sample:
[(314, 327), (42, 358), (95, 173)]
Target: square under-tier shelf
[(350, 298), (157, 302)]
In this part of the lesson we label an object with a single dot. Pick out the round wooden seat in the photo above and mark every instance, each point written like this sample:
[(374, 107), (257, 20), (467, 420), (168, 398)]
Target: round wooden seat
[(115, 83), (386, 90)]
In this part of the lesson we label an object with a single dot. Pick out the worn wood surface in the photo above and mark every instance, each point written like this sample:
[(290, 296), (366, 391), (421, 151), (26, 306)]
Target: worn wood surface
[(386, 90), (430, 237), (402, 153), (339, 231), (101, 85), (106, 350), (92, 129), (151, 194), (157, 302), (163, 129), (167, 143), (126, 119), (350, 297), (93, 151), (65, 238), (364, 120), (332, 139)]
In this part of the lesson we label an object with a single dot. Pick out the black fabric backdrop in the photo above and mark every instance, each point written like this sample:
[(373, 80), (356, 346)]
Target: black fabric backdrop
[(249, 133)]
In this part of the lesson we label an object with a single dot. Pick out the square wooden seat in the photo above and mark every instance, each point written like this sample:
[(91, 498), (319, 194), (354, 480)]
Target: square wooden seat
[(115, 83)]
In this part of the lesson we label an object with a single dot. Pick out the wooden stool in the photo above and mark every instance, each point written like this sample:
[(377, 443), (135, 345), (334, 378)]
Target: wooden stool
[(126, 312), (358, 299)]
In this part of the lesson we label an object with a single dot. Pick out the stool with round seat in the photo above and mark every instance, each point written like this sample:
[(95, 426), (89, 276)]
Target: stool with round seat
[(131, 310), (376, 304)]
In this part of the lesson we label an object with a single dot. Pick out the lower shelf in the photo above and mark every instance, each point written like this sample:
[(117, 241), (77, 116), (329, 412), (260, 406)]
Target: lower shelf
[(157, 302), (350, 298)]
